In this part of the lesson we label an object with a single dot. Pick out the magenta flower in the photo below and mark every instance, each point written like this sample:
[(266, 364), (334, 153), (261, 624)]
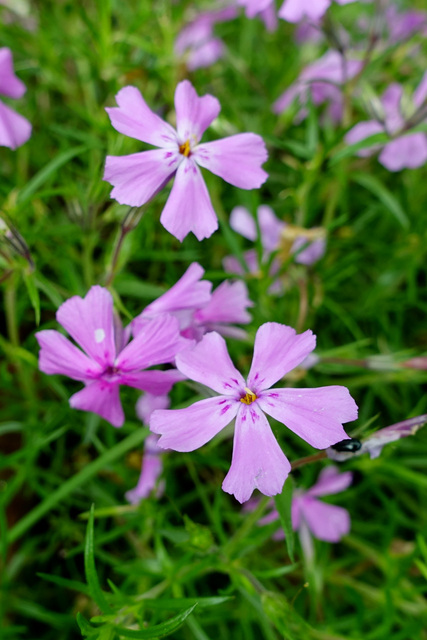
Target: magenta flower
[(105, 361), (197, 309), (316, 415), (297, 10), (196, 42), (151, 469), (403, 151), (14, 128), (322, 81), (138, 177)]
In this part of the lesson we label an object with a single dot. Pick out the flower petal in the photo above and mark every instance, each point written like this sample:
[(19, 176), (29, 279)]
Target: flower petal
[(134, 118), (189, 206), (158, 341), (278, 349), (228, 304), (242, 222), (326, 521), (10, 85), (147, 403), (258, 461), (190, 428), (360, 132), (420, 93), (59, 355), (89, 321), (210, 364), (236, 159), (151, 469), (14, 128), (296, 10), (315, 415), (330, 481), (405, 152), (102, 398), (270, 226), (140, 176), (153, 381), (189, 292), (194, 113)]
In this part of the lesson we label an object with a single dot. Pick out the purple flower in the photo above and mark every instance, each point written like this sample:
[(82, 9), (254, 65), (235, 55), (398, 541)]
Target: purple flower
[(404, 25), (265, 9), (316, 415), (374, 443), (311, 516), (403, 151), (14, 128), (197, 309), (138, 177), (105, 361), (322, 80), (297, 10), (196, 42)]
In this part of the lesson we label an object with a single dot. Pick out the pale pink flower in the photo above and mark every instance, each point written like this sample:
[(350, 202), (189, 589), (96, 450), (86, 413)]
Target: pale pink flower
[(316, 415), (297, 10), (14, 128), (138, 177), (105, 361)]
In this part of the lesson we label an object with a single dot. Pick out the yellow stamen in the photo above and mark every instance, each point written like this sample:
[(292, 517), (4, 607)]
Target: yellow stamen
[(185, 148), (249, 397)]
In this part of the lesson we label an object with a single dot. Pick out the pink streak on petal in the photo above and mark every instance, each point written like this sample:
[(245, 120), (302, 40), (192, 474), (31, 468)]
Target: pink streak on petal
[(189, 207), (15, 130), (258, 461), (330, 481), (147, 403), (360, 132), (157, 342), (89, 321), (190, 428), (405, 152), (10, 85), (210, 364), (326, 521), (236, 159), (242, 222), (59, 355), (228, 304), (134, 118), (315, 415), (189, 292), (138, 177), (102, 398), (153, 381), (278, 349), (194, 113)]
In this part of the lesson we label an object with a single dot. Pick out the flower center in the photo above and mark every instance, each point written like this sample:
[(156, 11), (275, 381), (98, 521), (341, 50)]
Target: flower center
[(249, 397), (185, 148)]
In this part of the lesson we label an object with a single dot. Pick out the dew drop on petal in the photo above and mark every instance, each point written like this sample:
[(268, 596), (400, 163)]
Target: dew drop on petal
[(99, 335)]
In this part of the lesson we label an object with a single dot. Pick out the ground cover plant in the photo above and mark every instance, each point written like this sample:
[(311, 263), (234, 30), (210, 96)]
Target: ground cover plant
[(214, 347)]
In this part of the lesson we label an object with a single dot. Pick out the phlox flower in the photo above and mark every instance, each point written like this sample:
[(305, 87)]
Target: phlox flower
[(402, 25), (310, 516), (198, 309), (138, 177), (297, 10), (322, 81), (14, 128), (258, 462), (196, 43), (374, 443), (403, 151), (264, 9), (105, 361)]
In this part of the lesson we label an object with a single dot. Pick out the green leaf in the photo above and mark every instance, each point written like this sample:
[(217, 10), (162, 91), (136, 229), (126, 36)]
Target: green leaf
[(75, 585), (90, 569), (283, 503), (33, 294), (178, 603), (159, 630), (385, 196), (352, 149), (85, 627)]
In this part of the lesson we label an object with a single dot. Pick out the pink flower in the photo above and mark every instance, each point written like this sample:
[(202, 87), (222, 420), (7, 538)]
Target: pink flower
[(324, 521), (197, 309), (403, 151), (196, 42), (105, 361), (265, 9), (316, 415), (14, 128), (322, 80), (297, 10), (138, 177)]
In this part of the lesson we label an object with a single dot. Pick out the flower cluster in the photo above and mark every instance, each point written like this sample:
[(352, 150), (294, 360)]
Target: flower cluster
[(14, 128)]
